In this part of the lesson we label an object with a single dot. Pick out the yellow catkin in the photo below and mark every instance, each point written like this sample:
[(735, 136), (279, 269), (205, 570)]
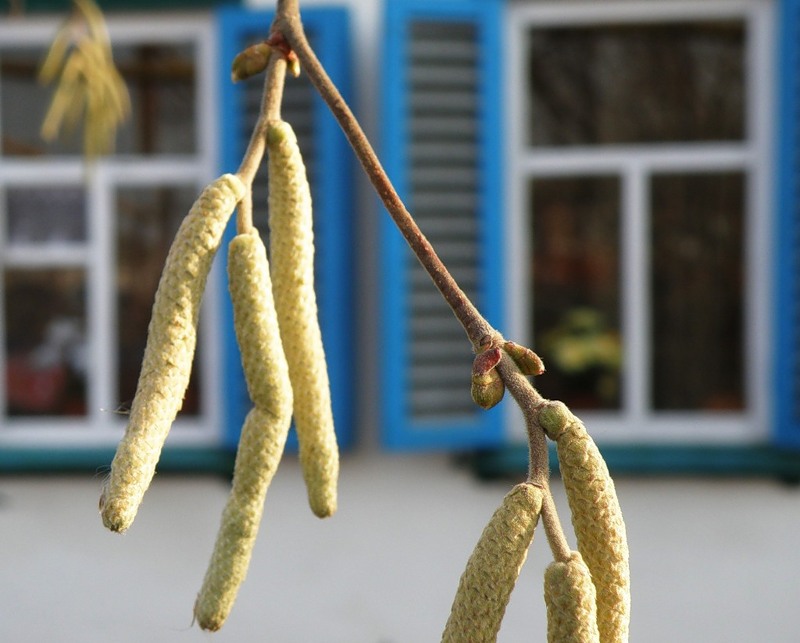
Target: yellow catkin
[(596, 518), (492, 570), (292, 259), (264, 432), (571, 602), (171, 341)]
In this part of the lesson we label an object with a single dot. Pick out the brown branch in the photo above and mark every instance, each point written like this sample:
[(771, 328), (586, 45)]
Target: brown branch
[(478, 330)]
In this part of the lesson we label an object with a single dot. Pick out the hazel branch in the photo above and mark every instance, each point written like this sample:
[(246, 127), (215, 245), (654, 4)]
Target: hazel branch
[(478, 330)]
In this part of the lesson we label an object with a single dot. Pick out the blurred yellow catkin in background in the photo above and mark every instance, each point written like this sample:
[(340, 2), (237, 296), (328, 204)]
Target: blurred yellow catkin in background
[(88, 84)]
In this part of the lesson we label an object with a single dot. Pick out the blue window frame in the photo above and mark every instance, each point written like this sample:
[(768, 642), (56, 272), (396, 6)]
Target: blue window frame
[(787, 299), (324, 148), (442, 146)]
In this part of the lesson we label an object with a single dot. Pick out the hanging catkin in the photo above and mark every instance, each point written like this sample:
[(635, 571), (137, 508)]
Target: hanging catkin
[(292, 259), (596, 518), (171, 340), (264, 431), (571, 602), (492, 569)]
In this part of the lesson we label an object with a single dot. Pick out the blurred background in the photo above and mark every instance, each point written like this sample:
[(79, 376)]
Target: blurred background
[(613, 184)]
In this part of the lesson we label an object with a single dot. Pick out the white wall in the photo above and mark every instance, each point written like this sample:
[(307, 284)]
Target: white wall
[(712, 561)]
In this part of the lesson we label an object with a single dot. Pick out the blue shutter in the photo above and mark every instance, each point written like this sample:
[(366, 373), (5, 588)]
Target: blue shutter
[(442, 146), (787, 312), (325, 151)]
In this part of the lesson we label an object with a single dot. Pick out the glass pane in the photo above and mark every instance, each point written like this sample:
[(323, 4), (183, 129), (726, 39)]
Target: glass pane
[(676, 82), (161, 82), (45, 342), (147, 219), (46, 215), (698, 291), (24, 103), (576, 292)]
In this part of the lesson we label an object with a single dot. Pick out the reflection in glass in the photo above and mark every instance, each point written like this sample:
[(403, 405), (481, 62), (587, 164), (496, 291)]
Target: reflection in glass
[(147, 219), (162, 83), (45, 214), (698, 291), (645, 83), (576, 296), (45, 342)]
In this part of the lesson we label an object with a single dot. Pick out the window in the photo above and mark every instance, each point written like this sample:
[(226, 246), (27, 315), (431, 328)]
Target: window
[(640, 210), (81, 249)]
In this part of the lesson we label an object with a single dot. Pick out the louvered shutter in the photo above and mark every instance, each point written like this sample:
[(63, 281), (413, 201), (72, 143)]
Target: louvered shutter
[(326, 154), (442, 147), (787, 311)]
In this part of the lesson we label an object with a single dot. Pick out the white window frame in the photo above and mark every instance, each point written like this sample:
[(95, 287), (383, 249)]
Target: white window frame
[(102, 425), (633, 164)]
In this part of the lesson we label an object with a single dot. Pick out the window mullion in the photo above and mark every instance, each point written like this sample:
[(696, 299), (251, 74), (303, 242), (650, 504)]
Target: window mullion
[(100, 300), (635, 277), (3, 356)]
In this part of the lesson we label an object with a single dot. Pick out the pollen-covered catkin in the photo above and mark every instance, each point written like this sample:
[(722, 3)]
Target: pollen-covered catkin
[(256, 323), (171, 340), (292, 264), (571, 602), (264, 432), (492, 570), (596, 518), (260, 450)]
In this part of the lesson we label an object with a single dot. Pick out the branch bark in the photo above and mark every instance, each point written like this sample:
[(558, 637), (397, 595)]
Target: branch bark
[(480, 333)]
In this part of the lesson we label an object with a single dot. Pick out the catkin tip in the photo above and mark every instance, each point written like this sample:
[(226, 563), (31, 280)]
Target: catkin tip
[(324, 509), (115, 518)]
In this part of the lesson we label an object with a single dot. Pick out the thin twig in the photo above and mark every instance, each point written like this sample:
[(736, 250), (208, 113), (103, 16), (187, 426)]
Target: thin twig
[(478, 330), (270, 111), (528, 399), (553, 530)]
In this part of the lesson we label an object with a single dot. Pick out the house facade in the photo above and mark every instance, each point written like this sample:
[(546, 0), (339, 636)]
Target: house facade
[(614, 184)]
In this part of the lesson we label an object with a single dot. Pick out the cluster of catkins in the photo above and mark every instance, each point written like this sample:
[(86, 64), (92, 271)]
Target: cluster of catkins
[(275, 318), (89, 86), (587, 593)]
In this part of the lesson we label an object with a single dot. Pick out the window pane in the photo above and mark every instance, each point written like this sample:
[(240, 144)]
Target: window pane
[(46, 215), (161, 82), (576, 295), (45, 342), (697, 291), (147, 219), (681, 82), (24, 103)]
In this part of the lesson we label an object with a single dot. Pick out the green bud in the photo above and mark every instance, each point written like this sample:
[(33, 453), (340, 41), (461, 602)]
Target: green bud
[(487, 386), (527, 361), (250, 62)]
